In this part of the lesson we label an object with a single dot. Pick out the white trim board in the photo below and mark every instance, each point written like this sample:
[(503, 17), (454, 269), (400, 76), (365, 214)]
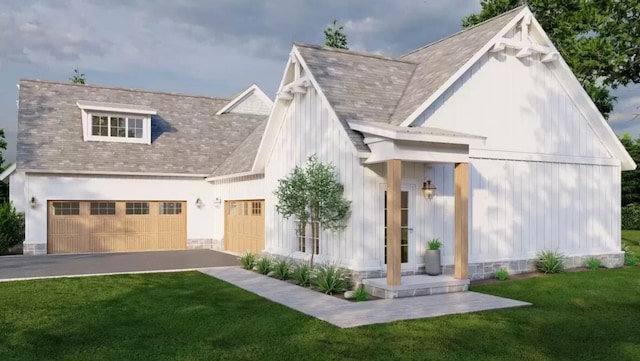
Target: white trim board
[(237, 100), (7, 172)]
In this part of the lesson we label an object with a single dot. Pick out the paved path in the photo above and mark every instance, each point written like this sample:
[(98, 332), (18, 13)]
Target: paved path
[(346, 314), (29, 267)]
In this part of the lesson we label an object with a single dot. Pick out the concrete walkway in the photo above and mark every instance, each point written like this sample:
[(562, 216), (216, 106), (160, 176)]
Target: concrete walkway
[(69, 265), (347, 314)]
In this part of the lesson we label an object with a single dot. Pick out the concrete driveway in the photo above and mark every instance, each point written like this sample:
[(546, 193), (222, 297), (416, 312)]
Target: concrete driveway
[(19, 267)]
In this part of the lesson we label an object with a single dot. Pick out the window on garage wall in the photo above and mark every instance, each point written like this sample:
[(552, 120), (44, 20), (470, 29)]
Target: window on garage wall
[(66, 208), (137, 208), (102, 208), (315, 237), (171, 208)]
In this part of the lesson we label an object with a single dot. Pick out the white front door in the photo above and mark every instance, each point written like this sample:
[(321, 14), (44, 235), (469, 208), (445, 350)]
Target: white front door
[(407, 243)]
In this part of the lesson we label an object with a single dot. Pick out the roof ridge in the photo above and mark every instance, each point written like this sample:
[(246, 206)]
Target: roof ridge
[(516, 9), (123, 88), (352, 52)]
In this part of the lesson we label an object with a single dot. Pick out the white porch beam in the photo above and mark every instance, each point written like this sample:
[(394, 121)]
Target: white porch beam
[(518, 44), (550, 57)]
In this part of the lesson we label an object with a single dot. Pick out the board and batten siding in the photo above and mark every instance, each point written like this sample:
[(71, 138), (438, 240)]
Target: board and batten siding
[(519, 105), (241, 188), (543, 180), (309, 128), (522, 207)]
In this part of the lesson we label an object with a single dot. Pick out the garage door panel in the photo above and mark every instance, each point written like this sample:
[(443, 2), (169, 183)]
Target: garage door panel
[(86, 232), (244, 226)]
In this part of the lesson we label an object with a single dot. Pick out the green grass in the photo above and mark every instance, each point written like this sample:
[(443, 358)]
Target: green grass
[(190, 316), (632, 239)]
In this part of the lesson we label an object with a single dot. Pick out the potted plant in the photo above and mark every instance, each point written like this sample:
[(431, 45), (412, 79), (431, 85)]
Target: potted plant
[(432, 257)]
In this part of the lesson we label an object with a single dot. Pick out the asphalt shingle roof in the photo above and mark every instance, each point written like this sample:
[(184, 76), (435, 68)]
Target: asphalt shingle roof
[(373, 88), (187, 137)]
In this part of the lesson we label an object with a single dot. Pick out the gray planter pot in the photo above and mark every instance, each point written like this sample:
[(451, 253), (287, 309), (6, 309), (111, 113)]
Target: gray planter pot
[(432, 262)]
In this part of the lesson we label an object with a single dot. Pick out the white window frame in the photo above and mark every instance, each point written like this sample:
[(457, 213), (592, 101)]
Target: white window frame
[(89, 109)]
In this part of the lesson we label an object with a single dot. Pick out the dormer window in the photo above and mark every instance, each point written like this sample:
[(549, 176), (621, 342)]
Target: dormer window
[(112, 122)]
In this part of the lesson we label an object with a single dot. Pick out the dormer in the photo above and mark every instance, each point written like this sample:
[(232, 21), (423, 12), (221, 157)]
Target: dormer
[(114, 122)]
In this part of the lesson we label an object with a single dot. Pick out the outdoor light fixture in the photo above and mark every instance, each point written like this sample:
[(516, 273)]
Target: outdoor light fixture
[(199, 203), (32, 202), (428, 189), (217, 201)]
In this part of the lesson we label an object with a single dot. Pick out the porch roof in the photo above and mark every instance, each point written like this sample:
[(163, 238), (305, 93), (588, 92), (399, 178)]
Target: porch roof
[(416, 144)]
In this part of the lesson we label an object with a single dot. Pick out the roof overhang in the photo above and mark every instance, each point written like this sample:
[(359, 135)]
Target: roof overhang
[(415, 144), (232, 176), (4, 176), (115, 174), (88, 105)]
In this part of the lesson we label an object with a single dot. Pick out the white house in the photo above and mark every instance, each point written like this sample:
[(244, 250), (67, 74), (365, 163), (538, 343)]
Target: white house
[(491, 116)]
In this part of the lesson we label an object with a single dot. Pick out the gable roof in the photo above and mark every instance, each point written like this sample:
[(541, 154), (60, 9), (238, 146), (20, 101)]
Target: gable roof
[(243, 96), (439, 61), (187, 136), (373, 88), (359, 86), (242, 158)]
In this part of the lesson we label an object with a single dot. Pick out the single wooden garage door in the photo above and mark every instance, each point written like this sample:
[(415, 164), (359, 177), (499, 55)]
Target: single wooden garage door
[(106, 226), (244, 226)]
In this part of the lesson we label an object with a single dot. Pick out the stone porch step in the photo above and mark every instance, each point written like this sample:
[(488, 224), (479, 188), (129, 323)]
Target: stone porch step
[(416, 285)]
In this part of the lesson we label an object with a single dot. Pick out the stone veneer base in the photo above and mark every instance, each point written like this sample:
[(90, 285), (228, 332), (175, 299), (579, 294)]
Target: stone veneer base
[(34, 249), (205, 243)]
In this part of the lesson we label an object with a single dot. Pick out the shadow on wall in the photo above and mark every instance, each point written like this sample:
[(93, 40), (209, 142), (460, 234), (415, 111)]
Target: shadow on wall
[(160, 126)]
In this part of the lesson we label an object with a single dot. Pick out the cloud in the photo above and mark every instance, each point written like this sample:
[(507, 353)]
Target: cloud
[(627, 108)]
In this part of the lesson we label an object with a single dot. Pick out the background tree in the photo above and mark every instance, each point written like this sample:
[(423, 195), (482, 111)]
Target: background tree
[(334, 37), (599, 39), (78, 77), (631, 179), (312, 195)]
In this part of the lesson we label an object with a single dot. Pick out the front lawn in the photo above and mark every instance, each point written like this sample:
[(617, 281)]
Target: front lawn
[(632, 240), (191, 316)]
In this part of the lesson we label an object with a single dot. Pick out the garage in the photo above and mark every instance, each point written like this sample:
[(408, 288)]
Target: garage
[(111, 226), (244, 226)]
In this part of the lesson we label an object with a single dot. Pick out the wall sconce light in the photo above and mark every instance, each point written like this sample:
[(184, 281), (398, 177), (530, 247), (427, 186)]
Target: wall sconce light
[(428, 189), (199, 203), (217, 201), (32, 202)]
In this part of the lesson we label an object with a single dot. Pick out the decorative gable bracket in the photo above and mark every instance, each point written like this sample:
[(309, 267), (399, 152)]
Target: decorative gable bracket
[(298, 86), (524, 46)]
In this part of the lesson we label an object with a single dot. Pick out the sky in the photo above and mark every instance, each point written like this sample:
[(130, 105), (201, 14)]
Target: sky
[(215, 47)]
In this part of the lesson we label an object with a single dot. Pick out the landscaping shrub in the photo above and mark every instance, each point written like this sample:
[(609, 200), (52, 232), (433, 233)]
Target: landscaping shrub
[(11, 227), (630, 258), (330, 278), (264, 265), (361, 294), (502, 274), (248, 261), (631, 216), (550, 262), (593, 263), (301, 275), (281, 269)]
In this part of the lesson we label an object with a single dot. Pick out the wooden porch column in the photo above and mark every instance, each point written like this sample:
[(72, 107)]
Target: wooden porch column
[(461, 233), (394, 194)]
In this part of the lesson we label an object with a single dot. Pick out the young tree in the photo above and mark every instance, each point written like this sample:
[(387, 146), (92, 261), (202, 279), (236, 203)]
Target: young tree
[(312, 195), (334, 37), (78, 77), (4, 189), (600, 40)]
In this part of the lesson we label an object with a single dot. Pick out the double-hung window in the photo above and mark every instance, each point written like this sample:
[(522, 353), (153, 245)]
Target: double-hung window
[(301, 232)]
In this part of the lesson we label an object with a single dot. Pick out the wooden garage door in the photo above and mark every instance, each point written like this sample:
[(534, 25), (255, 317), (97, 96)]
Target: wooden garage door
[(105, 226), (244, 226)]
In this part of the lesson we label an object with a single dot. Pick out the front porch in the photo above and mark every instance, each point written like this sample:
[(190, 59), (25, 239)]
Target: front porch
[(415, 285), (392, 146)]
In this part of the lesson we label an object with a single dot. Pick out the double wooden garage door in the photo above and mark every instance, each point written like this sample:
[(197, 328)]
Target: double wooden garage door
[(244, 226), (107, 226)]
